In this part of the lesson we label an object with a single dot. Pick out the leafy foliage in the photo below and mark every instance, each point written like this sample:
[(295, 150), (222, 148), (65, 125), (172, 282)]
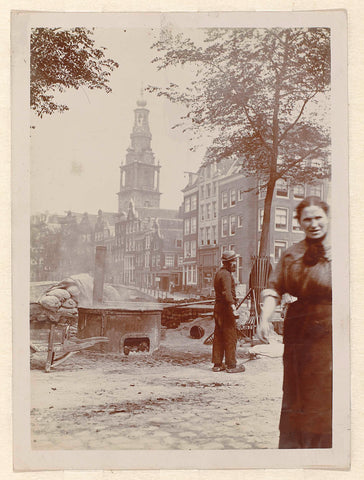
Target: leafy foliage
[(262, 94), (61, 59)]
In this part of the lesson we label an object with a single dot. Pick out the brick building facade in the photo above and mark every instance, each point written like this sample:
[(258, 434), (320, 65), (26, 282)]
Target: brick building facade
[(148, 249), (237, 219), (190, 232), (229, 216), (64, 245)]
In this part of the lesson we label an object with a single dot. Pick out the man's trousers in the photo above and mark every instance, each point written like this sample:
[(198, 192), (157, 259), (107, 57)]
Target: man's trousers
[(225, 338)]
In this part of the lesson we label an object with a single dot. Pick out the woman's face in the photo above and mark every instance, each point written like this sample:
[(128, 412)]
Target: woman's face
[(314, 222)]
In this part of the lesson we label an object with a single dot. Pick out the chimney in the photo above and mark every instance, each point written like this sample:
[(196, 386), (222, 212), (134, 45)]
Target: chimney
[(99, 275)]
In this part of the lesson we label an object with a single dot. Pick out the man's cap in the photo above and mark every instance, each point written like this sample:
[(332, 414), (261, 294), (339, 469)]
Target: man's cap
[(228, 256)]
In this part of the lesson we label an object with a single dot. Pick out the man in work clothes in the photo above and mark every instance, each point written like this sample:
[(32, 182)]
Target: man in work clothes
[(225, 335)]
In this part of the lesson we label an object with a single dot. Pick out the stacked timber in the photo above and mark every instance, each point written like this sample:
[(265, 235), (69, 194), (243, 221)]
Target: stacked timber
[(172, 317)]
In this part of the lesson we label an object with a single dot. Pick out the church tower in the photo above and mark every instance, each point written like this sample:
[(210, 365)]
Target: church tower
[(139, 175)]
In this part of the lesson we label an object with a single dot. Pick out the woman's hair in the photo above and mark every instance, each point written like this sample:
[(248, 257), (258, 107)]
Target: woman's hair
[(309, 202)]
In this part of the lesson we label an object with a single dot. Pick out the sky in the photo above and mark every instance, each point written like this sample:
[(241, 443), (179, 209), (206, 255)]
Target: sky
[(76, 155)]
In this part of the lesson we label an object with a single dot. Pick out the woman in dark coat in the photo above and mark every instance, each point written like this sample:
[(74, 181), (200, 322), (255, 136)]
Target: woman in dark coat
[(304, 271)]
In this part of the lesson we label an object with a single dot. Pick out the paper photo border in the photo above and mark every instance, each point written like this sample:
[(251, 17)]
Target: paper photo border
[(27, 459)]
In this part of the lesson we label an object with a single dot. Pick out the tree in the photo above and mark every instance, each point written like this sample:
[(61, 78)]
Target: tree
[(61, 59), (252, 89)]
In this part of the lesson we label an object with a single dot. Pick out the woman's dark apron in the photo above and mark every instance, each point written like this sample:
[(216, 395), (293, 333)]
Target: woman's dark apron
[(306, 415)]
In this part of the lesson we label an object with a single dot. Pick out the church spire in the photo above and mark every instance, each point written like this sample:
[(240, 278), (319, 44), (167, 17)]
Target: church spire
[(139, 175), (141, 136), (141, 102)]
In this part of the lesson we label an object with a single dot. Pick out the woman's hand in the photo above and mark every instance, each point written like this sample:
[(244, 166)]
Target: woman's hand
[(263, 328), (263, 331)]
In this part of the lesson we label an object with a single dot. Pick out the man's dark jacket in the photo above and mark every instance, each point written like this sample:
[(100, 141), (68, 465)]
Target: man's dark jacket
[(225, 295)]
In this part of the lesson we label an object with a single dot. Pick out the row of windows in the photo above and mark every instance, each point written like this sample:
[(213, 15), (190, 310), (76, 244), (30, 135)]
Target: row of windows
[(229, 197), (139, 245), (208, 211), (150, 260), (169, 260), (156, 261), (230, 223), (190, 249), (206, 191), (191, 203), (119, 241), (281, 220), (129, 263), (208, 235), (133, 227), (190, 225), (190, 274), (299, 191), (210, 191), (139, 261), (130, 245)]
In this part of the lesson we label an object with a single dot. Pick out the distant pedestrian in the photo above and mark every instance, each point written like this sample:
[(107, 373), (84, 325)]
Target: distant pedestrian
[(225, 314)]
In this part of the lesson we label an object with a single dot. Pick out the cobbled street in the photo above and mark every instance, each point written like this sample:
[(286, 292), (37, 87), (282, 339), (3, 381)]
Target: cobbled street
[(167, 400)]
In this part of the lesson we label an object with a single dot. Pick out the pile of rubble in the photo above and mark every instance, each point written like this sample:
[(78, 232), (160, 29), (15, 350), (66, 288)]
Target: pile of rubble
[(61, 301)]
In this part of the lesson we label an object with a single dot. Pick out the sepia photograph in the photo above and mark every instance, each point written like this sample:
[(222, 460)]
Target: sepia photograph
[(180, 240)]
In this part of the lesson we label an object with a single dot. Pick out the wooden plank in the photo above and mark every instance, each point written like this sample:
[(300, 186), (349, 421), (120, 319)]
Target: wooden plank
[(76, 347), (50, 350), (62, 359)]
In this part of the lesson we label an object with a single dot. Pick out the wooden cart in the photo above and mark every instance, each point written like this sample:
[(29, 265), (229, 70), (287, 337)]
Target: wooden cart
[(54, 340)]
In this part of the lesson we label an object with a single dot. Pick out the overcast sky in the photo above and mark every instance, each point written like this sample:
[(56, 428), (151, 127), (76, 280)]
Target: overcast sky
[(75, 156)]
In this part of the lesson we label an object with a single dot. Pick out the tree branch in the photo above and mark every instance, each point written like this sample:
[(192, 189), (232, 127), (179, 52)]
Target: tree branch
[(204, 60), (292, 164), (256, 130), (284, 134)]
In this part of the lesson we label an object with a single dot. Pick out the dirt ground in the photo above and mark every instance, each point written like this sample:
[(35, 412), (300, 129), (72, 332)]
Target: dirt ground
[(169, 399)]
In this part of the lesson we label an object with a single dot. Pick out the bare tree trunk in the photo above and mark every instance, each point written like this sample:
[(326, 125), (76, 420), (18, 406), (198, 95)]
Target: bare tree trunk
[(264, 237)]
